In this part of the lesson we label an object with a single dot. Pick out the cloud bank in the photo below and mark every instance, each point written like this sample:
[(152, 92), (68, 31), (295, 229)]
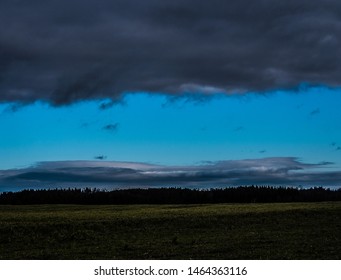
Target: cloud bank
[(286, 171), (62, 51)]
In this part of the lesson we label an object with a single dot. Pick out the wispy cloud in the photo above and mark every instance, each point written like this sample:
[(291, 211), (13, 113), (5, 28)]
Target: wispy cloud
[(334, 145), (273, 171), (113, 127), (109, 104), (315, 112), (238, 129), (101, 157), (14, 107)]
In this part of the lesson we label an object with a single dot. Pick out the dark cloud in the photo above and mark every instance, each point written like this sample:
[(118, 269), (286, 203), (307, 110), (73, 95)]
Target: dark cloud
[(101, 157), (66, 51), (314, 112), (111, 127), (14, 107), (108, 105), (272, 171)]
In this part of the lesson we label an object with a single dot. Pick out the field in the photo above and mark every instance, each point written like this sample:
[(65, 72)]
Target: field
[(220, 231)]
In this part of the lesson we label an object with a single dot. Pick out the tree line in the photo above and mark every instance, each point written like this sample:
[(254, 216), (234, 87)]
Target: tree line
[(242, 194)]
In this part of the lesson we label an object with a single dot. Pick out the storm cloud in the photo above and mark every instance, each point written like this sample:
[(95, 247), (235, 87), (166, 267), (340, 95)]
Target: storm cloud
[(286, 171), (62, 52)]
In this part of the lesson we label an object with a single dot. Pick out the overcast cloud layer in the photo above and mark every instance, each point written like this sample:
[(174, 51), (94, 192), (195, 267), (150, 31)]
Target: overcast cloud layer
[(63, 51), (285, 171)]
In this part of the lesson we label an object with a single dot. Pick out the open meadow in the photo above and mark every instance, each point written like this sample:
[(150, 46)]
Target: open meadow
[(208, 231)]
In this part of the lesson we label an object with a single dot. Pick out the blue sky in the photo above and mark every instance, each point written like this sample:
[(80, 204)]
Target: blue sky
[(157, 130), (181, 93)]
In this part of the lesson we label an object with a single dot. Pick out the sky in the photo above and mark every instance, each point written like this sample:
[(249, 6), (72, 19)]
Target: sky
[(169, 93)]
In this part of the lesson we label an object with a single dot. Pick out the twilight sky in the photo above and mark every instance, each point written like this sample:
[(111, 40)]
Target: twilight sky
[(170, 93)]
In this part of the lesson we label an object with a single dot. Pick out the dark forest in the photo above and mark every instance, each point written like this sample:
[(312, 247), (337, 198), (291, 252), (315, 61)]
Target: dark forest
[(242, 194)]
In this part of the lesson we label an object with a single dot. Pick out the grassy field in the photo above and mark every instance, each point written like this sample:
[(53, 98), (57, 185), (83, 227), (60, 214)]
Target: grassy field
[(221, 231)]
